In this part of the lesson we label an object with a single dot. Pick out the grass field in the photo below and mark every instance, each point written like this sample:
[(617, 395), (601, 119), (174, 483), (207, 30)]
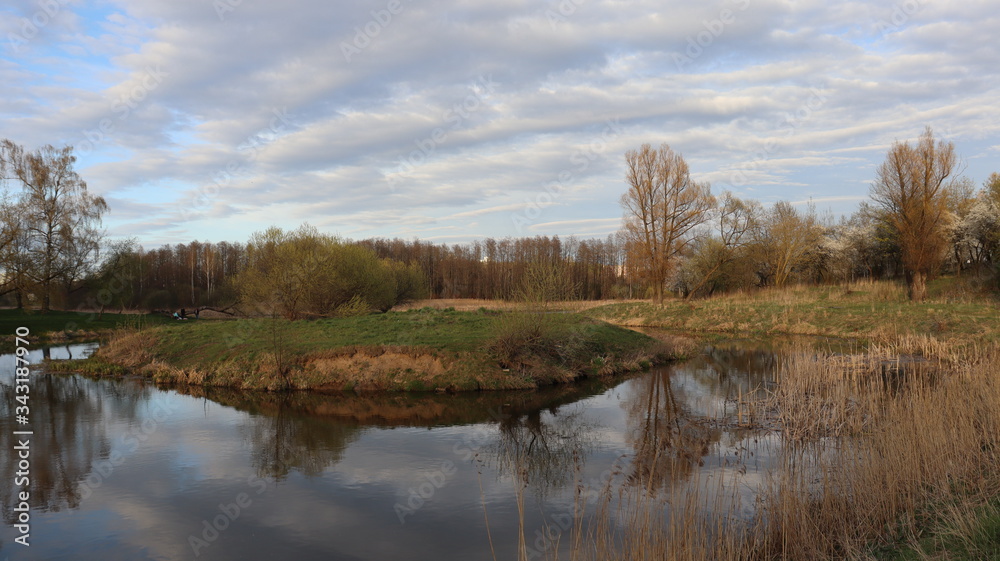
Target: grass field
[(876, 311), (61, 325), (424, 349)]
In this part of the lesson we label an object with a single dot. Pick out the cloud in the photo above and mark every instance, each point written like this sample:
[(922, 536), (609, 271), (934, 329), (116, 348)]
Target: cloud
[(385, 122), (818, 200), (567, 227)]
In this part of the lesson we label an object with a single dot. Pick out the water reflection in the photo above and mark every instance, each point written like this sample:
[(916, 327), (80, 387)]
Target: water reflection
[(338, 465), (284, 441), (543, 450), (67, 418), (667, 440), (68, 437), (308, 431), (416, 409)]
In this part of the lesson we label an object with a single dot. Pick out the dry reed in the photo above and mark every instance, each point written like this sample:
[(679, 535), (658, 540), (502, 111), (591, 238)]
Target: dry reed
[(874, 453)]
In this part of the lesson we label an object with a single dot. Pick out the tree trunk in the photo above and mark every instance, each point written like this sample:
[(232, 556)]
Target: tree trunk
[(917, 286), (704, 279)]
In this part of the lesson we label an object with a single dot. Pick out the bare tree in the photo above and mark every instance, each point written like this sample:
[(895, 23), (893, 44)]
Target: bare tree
[(735, 222), (784, 240), (662, 206), (14, 245), (910, 187), (61, 218)]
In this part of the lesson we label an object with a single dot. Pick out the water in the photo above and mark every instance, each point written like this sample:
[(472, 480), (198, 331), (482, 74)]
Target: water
[(124, 470)]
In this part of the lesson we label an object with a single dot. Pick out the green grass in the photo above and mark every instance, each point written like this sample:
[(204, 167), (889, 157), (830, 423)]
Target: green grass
[(969, 534), (195, 343), (417, 350), (446, 331), (57, 321)]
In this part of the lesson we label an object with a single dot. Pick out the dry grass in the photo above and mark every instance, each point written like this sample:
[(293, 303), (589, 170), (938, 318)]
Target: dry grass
[(473, 304), (873, 455), (867, 310), (130, 349), (897, 443), (370, 368)]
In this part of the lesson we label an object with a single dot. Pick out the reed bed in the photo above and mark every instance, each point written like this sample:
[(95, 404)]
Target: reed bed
[(878, 451)]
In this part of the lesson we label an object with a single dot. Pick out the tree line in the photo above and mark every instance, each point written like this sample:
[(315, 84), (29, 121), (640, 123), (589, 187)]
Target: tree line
[(221, 274), (924, 218), (677, 237)]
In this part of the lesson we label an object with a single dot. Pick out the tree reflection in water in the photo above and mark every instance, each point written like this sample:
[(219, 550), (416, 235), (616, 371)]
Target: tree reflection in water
[(667, 441), (674, 417), (282, 439), (677, 415), (542, 448), (69, 416), (309, 431)]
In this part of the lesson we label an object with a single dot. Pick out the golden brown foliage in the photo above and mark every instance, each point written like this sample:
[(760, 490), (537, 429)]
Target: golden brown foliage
[(663, 205), (910, 188)]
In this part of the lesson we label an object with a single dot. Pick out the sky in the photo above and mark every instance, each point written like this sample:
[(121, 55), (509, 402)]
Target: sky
[(455, 120)]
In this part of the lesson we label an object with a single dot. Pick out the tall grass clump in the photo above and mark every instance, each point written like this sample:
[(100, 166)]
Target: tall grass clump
[(876, 455), (890, 448)]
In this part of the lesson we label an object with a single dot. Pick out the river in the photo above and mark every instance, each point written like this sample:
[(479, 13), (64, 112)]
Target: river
[(121, 469)]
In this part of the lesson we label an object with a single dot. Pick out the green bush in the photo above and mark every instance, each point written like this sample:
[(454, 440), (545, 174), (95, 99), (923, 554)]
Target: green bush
[(305, 273)]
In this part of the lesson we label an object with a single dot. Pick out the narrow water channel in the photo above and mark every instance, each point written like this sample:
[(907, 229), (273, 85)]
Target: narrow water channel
[(124, 470)]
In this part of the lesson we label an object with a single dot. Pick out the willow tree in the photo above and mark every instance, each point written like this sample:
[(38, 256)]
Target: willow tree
[(663, 206), (910, 186), (305, 273), (785, 240), (58, 220)]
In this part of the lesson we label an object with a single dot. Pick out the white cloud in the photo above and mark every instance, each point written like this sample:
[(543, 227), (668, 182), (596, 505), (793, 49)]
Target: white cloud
[(805, 97)]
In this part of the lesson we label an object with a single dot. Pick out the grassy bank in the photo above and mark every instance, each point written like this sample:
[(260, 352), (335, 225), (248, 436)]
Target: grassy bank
[(415, 350), (877, 311), (58, 326)]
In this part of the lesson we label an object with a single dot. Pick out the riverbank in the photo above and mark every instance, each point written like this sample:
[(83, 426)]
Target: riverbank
[(58, 326), (417, 350), (873, 311)]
